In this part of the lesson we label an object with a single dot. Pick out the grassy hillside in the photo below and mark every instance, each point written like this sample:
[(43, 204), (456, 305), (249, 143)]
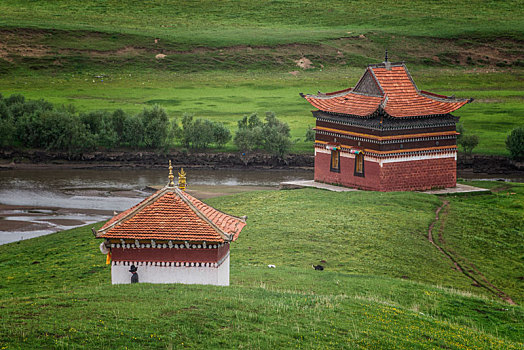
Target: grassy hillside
[(247, 23), (225, 59), (384, 286)]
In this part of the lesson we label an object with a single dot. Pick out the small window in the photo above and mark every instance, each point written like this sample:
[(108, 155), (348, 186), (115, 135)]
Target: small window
[(335, 161), (359, 164)]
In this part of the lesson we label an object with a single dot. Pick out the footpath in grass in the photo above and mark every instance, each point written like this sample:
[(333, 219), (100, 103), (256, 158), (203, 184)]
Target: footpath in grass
[(384, 285)]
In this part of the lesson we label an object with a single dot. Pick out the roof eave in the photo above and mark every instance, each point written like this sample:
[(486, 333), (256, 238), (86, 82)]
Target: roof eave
[(225, 236), (137, 209)]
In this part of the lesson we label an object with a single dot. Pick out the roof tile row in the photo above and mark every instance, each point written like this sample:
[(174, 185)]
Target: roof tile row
[(401, 97), (172, 214)]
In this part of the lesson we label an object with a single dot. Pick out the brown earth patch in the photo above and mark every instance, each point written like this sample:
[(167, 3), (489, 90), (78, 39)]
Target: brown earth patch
[(18, 225), (22, 50), (487, 54), (304, 63), (65, 222)]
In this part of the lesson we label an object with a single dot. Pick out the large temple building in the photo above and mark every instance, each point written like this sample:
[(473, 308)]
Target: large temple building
[(385, 134), (170, 237)]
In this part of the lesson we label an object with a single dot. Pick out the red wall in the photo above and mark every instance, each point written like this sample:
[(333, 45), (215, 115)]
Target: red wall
[(345, 177), (419, 175), (169, 254), (401, 176)]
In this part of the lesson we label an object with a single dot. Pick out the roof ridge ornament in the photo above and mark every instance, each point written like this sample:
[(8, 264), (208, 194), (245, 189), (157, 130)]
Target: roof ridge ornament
[(171, 176), (182, 179), (387, 64)]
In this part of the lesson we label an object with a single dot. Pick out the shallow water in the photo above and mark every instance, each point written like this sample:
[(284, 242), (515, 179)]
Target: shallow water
[(39, 202)]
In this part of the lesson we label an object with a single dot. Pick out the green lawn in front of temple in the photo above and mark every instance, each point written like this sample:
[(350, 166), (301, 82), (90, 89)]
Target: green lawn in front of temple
[(384, 285)]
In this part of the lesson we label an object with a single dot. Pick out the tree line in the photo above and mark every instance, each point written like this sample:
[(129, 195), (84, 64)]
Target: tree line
[(39, 124)]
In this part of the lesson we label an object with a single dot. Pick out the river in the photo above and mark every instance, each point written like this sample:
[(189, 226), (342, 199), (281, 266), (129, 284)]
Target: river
[(36, 202)]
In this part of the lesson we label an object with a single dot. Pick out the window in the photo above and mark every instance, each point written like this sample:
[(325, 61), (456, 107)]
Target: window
[(335, 161), (359, 164)]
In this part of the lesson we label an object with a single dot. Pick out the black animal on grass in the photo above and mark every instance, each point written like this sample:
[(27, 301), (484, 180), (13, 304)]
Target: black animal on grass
[(318, 267)]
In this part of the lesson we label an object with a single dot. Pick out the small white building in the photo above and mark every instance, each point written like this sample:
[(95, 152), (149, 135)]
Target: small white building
[(170, 237)]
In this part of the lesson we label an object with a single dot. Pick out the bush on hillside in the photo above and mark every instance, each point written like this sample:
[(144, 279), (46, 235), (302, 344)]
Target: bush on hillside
[(7, 125), (461, 131), (250, 135), (38, 124), (310, 134), (468, 143), (272, 135), (277, 136), (156, 127), (515, 143), (100, 125), (132, 132), (201, 133), (221, 134)]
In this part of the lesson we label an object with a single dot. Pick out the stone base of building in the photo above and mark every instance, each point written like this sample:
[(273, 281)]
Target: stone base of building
[(171, 273), (400, 173)]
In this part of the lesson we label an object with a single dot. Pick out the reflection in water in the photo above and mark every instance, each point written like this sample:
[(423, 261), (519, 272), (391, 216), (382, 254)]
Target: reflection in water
[(38, 202)]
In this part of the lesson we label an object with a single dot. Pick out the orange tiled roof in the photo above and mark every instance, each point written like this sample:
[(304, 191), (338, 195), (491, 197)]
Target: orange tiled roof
[(349, 103), (393, 90), (171, 214)]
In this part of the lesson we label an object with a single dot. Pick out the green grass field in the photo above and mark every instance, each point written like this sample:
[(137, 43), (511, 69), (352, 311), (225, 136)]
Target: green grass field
[(229, 58), (227, 97), (384, 285)]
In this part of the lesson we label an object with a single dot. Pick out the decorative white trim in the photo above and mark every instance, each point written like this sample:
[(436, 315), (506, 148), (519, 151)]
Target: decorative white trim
[(417, 157), (170, 272)]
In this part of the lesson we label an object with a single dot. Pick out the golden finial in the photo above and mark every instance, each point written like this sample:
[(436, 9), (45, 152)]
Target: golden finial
[(171, 176), (182, 179)]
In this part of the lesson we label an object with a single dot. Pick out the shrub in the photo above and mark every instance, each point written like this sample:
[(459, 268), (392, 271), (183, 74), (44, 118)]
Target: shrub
[(277, 143), (461, 131), (7, 132), (249, 139), (310, 134), (15, 99), (200, 133), (272, 135), (7, 127), (118, 121), (100, 125), (277, 136), (132, 135), (221, 134), (64, 131), (468, 143), (156, 127), (250, 134), (515, 143), (38, 124)]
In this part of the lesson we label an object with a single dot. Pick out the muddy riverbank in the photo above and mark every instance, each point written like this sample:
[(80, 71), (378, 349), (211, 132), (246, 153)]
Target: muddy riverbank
[(41, 199), (26, 158), (474, 166)]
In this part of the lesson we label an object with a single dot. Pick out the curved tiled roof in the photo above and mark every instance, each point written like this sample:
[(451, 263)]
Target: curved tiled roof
[(393, 90), (350, 103), (171, 214)]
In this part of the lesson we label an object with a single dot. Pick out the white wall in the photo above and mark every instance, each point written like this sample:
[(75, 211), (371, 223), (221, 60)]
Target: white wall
[(218, 276)]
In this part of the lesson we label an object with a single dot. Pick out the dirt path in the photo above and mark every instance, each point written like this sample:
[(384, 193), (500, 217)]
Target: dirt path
[(460, 263)]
